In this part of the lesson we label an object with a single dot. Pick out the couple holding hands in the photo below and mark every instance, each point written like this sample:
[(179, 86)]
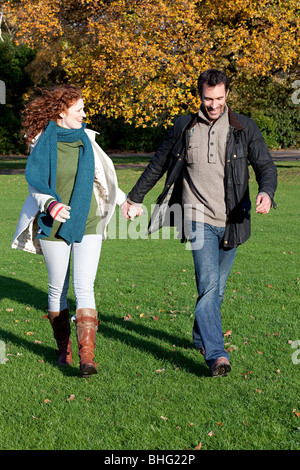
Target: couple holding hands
[(73, 192)]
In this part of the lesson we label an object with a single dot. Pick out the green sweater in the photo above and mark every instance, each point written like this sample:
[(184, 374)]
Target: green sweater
[(67, 162)]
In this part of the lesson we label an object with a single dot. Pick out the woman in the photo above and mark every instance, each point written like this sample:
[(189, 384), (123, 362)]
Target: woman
[(73, 192)]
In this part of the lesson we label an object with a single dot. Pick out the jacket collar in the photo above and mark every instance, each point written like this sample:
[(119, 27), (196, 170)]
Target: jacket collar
[(233, 120)]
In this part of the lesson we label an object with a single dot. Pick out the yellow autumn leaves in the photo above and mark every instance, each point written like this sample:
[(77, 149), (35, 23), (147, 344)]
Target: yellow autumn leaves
[(140, 60)]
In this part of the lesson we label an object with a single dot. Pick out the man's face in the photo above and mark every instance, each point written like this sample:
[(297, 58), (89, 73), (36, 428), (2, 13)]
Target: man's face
[(213, 100)]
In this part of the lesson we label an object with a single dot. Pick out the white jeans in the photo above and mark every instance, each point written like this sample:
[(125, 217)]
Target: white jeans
[(85, 257)]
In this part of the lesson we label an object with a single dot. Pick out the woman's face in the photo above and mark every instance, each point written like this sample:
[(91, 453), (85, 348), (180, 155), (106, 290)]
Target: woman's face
[(73, 116)]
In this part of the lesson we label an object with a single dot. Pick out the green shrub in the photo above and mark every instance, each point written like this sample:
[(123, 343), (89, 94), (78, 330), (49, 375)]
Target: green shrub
[(268, 128), (13, 62), (269, 102), (115, 134)]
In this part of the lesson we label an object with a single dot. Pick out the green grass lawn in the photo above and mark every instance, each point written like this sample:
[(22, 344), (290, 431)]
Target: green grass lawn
[(153, 390)]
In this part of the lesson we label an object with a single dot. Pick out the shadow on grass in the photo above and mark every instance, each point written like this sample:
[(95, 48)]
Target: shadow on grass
[(22, 292), (28, 295), (139, 337), (133, 335), (45, 353)]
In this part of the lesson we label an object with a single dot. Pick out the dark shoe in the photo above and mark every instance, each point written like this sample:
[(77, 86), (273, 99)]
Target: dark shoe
[(220, 367)]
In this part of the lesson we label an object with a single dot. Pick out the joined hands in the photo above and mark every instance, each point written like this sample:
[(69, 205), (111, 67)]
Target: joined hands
[(130, 211)]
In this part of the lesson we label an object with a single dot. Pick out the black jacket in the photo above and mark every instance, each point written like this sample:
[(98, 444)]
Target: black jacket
[(244, 144)]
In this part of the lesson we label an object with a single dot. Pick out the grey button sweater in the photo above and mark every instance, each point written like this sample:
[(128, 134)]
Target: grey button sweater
[(203, 182)]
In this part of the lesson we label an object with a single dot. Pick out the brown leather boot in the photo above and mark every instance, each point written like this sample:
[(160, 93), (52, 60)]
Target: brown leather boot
[(60, 323), (86, 327)]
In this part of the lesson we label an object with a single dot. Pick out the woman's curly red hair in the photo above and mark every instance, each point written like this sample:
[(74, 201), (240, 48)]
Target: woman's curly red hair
[(47, 107)]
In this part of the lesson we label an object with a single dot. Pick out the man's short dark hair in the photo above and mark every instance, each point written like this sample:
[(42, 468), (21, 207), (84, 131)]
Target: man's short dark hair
[(211, 78)]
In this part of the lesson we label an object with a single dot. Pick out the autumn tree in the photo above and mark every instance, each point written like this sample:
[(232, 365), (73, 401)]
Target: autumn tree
[(140, 59), (13, 62)]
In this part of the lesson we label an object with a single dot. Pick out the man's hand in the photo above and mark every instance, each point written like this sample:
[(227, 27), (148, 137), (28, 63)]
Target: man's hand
[(130, 211), (263, 203)]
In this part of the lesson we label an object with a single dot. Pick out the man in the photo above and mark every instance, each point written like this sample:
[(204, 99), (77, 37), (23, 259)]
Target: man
[(206, 158)]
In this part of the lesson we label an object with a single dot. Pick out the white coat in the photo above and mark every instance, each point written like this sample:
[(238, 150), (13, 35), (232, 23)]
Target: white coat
[(106, 191)]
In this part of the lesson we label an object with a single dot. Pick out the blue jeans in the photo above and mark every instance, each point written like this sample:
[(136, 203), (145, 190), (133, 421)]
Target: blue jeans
[(213, 264)]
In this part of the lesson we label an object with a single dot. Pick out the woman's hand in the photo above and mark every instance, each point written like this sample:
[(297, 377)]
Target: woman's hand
[(59, 211)]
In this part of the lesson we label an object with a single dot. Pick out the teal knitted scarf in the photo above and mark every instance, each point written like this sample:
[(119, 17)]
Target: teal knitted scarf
[(41, 174)]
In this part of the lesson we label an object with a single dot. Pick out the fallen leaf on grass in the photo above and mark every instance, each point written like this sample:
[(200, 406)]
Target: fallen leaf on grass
[(296, 413), (127, 318), (199, 446), (245, 374), (160, 370), (211, 433), (47, 400), (164, 418), (228, 333), (231, 348), (71, 397), (155, 318)]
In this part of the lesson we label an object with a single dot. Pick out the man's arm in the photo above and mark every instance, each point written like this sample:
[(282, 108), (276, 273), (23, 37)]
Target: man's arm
[(264, 168), (154, 171)]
